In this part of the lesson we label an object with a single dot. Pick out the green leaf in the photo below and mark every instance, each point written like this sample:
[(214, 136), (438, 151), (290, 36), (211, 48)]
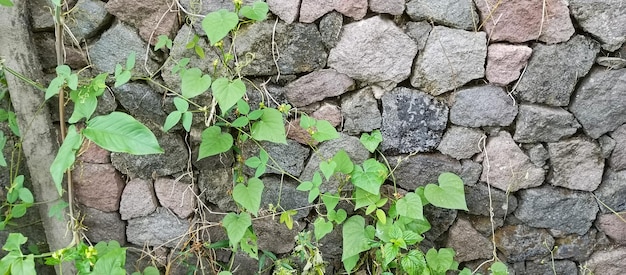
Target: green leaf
[(84, 104), (151, 270), (26, 196), (130, 61), (19, 210), (181, 104), (330, 201), (449, 194), (187, 119), (24, 266), (171, 120), (270, 127), (14, 242), (364, 198), (355, 239), (56, 210), (370, 177), (241, 121), (218, 24), (65, 157), (163, 41), (324, 131), (499, 268), (287, 218), (328, 168), (3, 141), (122, 78), (307, 122), (414, 262), (6, 3), (441, 261), (410, 206), (256, 114), (315, 191), (120, 132), (344, 164), (249, 245), (53, 88), (13, 124), (372, 141), (253, 162), (390, 252), (72, 81), (228, 93), (224, 273), (305, 186), (381, 216), (214, 142), (322, 227), (194, 83), (339, 216), (258, 11), (249, 196), (236, 226), (243, 107)]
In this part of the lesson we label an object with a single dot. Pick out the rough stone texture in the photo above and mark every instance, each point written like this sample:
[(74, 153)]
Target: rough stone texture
[(612, 191), (470, 172), (576, 247), (477, 198), (274, 236), (141, 101), (568, 211), (87, 18), (613, 226), (138, 199), (507, 167), (520, 21), (546, 267), (360, 112), (311, 10), (287, 10), (98, 186), (538, 154), (440, 220), (618, 156), (44, 42), (300, 47), (329, 112), (607, 144), (297, 133), (593, 15), (552, 73), (451, 13), (156, 229), (330, 29), (610, 261), (461, 142), (176, 196), (520, 242), (598, 103), (482, 106), (103, 226), (451, 58), (393, 7), (373, 50), (40, 16), (421, 169), (152, 18), (317, 86), (290, 198), (290, 157), (419, 31), (577, 164), (505, 62), (538, 123), (114, 47), (468, 243), (92, 153), (412, 121), (214, 185)]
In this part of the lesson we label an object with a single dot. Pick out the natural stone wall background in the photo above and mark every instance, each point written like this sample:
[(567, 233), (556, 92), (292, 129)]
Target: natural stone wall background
[(529, 107)]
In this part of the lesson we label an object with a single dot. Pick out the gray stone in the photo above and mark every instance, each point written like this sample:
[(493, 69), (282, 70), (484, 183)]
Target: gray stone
[(87, 18), (330, 29), (418, 170), (160, 228), (610, 261), (138, 199), (520, 242), (504, 62), (141, 101), (283, 193), (177, 196), (40, 15), (373, 50), (618, 157), (506, 167), (598, 103), (612, 191), (393, 7), (360, 112), (450, 59), (440, 220), (468, 243), (114, 47), (98, 186), (607, 145), (461, 142), (482, 106), (594, 17), (538, 154), (289, 157), (546, 267), (419, 31), (470, 172), (316, 86), (552, 73), (577, 164), (152, 17), (451, 13), (575, 247), (213, 184), (537, 123), (300, 48), (413, 121), (103, 226), (568, 211), (274, 236), (478, 201), (484, 224), (613, 226), (287, 10), (205, 7), (311, 10)]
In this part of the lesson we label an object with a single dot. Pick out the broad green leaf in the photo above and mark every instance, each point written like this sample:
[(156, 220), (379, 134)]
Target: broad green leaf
[(305, 186), (63, 70), (270, 127), (328, 168), (410, 206), (236, 226), (122, 78), (249, 196), (330, 201), (449, 194), (324, 131), (253, 162), (26, 196), (241, 121), (243, 107), (414, 262), (6, 3), (214, 142), (65, 157), (55, 85), (258, 11), (350, 262), (227, 92), (181, 104), (85, 104), (218, 24), (171, 120), (499, 268), (344, 164), (467, 271), (441, 261), (390, 252), (14, 242), (355, 239), (24, 266), (371, 142), (370, 177), (194, 83), (120, 132), (363, 198), (322, 227)]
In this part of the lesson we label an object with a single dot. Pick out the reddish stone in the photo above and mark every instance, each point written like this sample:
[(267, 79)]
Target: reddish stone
[(505, 62), (98, 186), (138, 199), (613, 226), (329, 112), (92, 153), (468, 243), (176, 196), (295, 132), (311, 10), (147, 16)]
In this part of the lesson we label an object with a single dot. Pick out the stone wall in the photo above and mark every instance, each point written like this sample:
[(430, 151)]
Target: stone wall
[(529, 108)]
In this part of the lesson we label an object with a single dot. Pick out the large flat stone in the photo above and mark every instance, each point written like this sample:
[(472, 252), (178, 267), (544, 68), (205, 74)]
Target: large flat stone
[(98, 186), (156, 229), (451, 13), (604, 19), (138, 199), (482, 106), (316, 86), (577, 164), (539, 123)]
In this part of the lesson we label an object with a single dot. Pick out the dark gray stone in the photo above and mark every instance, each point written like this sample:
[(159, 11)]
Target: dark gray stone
[(451, 13), (274, 236), (360, 112), (546, 267), (440, 220), (316, 86), (213, 184), (618, 156), (477, 198), (598, 104), (141, 101), (538, 154), (330, 29), (537, 123), (418, 170), (103, 226), (568, 211), (576, 247), (40, 15), (138, 199), (461, 142), (283, 193), (612, 191), (521, 243), (413, 121), (419, 31), (593, 17), (156, 229), (290, 157), (577, 164), (470, 172), (467, 242), (552, 73), (482, 106), (450, 59), (86, 18)]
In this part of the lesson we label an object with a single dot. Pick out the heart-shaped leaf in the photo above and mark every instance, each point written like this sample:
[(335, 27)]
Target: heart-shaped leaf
[(410, 206), (372, 141), (227, 92), (194, 83), (337, 216), (214, 142), (218, 24), (355, 239), (364, 198), (324, 131), (270, 127), (344, 164), (249, 196), (258, 11), (441, 261), (322, 227), (328, 168), (330, 201), (236, 226), (370, 177), (449, 194)]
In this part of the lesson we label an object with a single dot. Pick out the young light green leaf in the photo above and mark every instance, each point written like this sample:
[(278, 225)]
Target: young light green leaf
[(26, 196), (243, 107), (72, 81), (372, 141), (151, 270), (55, 85), (228, 93), (6, 3), (324, 131), (214, 142), (122, 78), (194, 83), (187, 120), (258, 11), (3, 141), (441, 261), (130, 61), (328, 168), (241, 121), (410, 206), (364, 198), (270, 127), (181, 104), (13, 124), (84, 104), (171, 120), (287, 218), (163, 41), (14, 242), (65, 157), (120, 132), (381, 216), (56, 210), (449, 194), (370, 177), (218, 24), (305, 186), (249, 196), (499, 268), (344, 164), (355, 239), (337, 216), (322, 228), (236, 226), (330, 201)]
